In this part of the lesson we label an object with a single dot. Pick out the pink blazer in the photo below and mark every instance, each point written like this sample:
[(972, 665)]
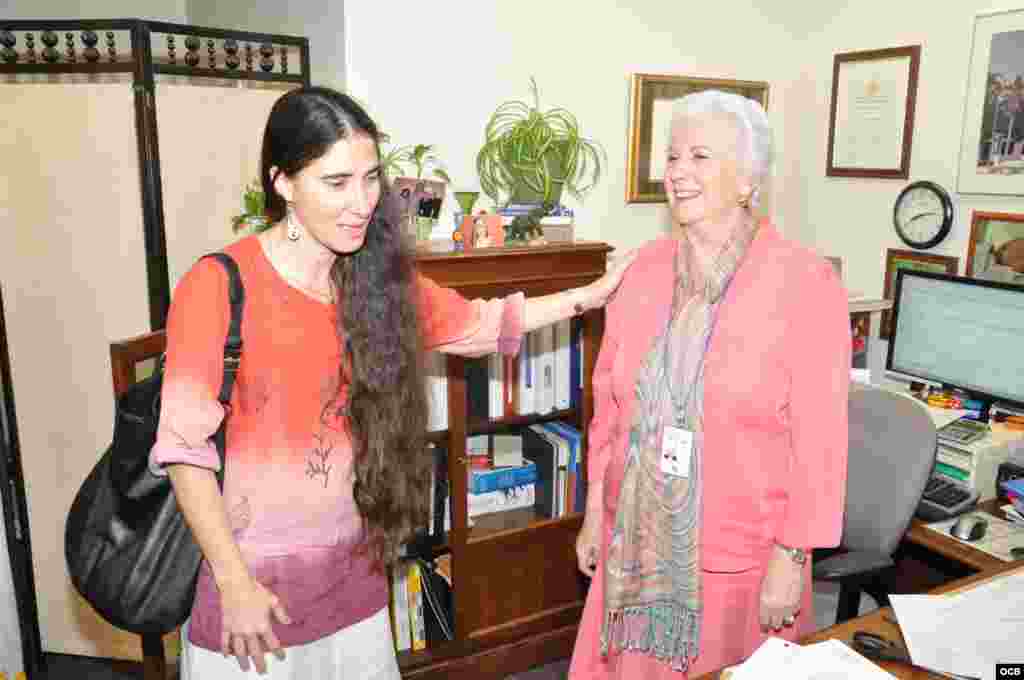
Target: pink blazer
[(775, 397)]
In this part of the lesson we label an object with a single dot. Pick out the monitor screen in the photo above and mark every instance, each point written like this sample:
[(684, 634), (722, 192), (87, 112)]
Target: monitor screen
[(960, 332)]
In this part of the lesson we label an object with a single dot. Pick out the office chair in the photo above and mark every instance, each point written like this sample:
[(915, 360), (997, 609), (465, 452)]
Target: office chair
[(891, 455)]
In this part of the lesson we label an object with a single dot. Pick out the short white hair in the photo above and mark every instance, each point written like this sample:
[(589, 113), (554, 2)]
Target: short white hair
[(752, 125)]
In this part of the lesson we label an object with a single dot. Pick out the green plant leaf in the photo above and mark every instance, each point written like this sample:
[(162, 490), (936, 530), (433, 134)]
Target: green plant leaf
[(541, 150)]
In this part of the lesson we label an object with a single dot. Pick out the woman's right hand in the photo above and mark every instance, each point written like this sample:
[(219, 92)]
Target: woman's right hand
[(246, 632), (588, 542)]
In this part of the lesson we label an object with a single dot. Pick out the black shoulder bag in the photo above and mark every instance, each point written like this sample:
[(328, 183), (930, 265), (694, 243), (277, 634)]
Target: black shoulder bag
[(129, 552)]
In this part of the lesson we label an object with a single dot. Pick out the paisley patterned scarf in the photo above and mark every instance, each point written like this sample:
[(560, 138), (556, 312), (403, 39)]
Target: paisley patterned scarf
[(652, 599)]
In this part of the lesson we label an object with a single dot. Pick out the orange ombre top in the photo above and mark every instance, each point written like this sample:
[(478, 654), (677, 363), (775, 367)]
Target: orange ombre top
[(287, 484)]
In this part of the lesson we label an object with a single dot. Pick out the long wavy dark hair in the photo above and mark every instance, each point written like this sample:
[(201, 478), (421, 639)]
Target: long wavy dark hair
[(378, 326)]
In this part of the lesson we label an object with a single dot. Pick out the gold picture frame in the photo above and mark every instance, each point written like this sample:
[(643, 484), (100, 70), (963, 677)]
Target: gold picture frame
[(897, 259), (651, 96)]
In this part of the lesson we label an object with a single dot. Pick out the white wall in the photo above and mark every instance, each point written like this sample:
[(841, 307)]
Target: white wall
[(155, 10), (853, 217), (322, 21), (435, 78)]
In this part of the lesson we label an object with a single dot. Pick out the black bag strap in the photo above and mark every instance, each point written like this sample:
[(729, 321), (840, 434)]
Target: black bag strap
[(233, 341), (232, 351)]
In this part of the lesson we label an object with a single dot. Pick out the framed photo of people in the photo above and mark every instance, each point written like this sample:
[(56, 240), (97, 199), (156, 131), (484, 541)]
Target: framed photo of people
[(995, 250), (871, 121), (992, 140), (651, 100), (896, 259)]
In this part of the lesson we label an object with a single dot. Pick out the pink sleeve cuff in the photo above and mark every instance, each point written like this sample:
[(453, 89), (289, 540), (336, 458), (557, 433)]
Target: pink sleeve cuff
[(499, 328), (166, 451), (510, 338)]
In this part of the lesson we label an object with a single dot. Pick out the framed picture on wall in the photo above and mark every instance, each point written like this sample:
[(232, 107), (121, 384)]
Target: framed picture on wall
[(871, 122), (992, 140), (995, 250), (896, 259), (651, 100)]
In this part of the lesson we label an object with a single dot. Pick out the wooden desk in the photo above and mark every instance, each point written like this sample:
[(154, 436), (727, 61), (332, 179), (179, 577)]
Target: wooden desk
[(952, 549), (881, 623)]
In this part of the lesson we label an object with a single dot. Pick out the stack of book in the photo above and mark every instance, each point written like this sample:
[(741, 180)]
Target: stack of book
[(555, 448), (407, 616), (546, 376), (506, 482)]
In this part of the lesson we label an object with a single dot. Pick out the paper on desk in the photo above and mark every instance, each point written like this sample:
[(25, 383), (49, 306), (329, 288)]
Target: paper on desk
[(967, 632), (828, 660), (833, 660), (774, 658)]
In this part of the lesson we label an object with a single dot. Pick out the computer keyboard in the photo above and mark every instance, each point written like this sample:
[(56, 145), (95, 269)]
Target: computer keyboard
[(944, 498)]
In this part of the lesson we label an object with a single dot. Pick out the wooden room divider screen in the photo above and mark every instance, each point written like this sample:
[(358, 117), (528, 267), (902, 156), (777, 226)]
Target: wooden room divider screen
[(125, 146)]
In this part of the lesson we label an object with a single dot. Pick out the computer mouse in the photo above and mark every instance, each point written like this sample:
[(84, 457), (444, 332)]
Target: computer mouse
[(969, 528)]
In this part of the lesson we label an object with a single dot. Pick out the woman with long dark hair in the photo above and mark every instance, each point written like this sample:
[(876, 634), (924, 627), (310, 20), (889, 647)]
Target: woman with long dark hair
[(325, 475)]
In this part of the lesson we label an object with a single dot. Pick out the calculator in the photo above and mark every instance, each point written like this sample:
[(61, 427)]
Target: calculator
[(963, 431), (944, 498)]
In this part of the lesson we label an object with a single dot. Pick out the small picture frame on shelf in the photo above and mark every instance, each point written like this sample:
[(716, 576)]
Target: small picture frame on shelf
[(417, 198), (482, 231), (897, 259)]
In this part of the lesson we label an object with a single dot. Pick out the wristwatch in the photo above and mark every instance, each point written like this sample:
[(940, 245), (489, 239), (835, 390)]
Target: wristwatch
[(798, 555)]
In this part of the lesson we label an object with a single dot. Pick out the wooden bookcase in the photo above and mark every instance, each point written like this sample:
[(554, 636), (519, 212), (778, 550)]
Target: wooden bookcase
[(517, 593)]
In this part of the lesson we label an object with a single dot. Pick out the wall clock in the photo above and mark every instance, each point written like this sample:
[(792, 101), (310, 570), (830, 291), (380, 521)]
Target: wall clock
[(923, 214)]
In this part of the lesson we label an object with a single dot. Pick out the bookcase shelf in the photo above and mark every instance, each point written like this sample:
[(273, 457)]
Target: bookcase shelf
[(517, 594), (479, 426)]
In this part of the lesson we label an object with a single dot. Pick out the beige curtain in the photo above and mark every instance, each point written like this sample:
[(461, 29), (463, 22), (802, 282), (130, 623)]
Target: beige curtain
[(72, 267)]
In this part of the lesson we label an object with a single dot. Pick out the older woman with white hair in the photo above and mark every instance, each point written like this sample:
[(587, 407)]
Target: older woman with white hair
[(717, 455)]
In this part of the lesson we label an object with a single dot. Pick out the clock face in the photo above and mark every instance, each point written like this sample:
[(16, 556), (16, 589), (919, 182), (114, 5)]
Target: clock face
[(923, 215)]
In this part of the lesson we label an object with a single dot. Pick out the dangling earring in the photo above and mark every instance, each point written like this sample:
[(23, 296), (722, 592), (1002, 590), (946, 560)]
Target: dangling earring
[(293, 226)]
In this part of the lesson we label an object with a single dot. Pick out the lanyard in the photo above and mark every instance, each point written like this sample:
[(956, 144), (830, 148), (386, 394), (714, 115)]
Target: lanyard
[(681, 406)]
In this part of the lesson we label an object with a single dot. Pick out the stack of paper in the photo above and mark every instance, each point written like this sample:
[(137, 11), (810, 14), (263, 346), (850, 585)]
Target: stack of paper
[(777, 658), (966, 632)]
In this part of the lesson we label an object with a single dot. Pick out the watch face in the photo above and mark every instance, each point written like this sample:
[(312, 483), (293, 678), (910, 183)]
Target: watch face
[(923, 215)]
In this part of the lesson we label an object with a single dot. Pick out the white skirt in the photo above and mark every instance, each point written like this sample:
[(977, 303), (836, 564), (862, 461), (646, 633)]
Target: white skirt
[(363, 651)]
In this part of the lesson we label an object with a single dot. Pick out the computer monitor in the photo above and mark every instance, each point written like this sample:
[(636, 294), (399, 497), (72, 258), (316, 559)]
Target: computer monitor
[(959, 332)]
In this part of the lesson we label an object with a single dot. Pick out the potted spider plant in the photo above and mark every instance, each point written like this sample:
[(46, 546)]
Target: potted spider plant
[(531, 155)]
